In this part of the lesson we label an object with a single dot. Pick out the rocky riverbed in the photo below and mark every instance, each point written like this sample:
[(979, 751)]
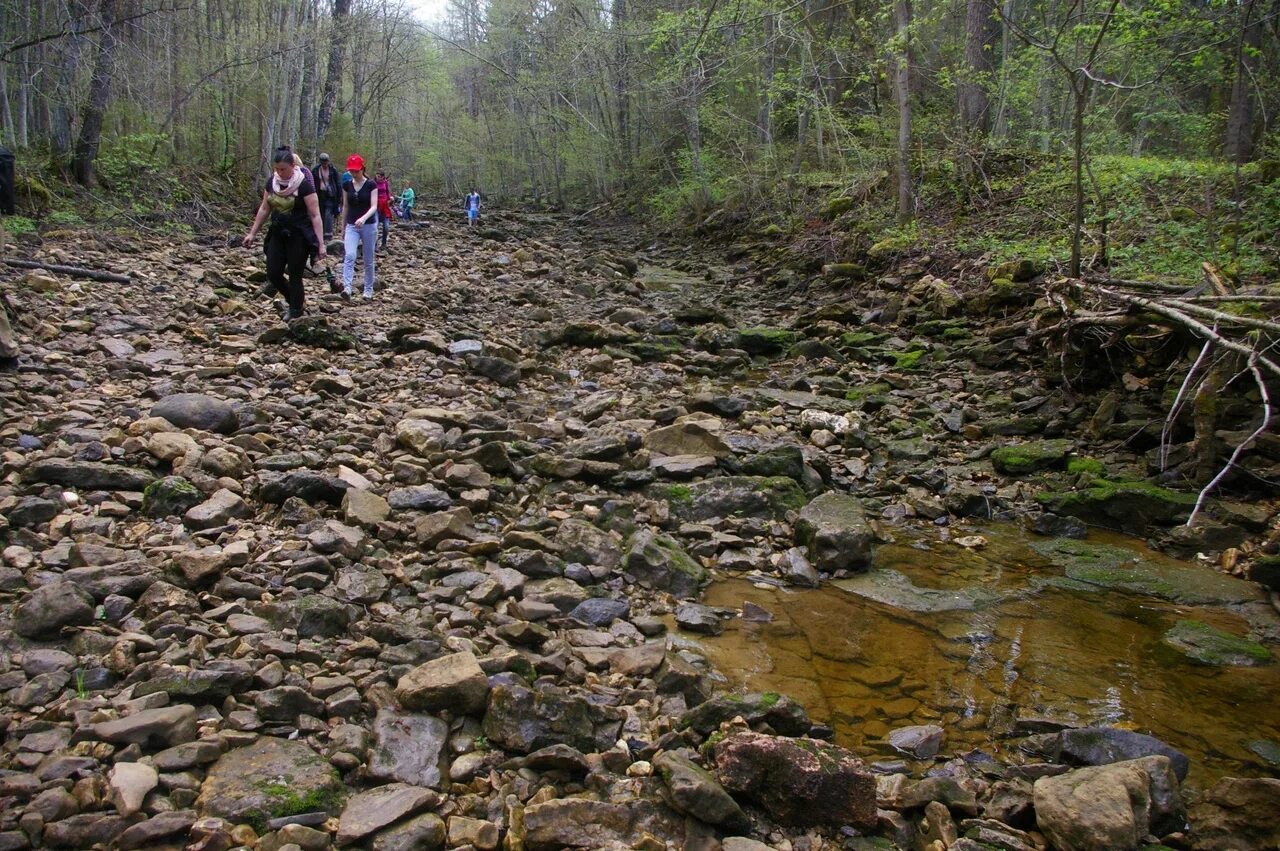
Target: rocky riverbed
[(428, 572)]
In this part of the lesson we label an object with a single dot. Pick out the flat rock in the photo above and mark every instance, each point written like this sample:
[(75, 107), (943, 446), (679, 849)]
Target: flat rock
[(368, 812)]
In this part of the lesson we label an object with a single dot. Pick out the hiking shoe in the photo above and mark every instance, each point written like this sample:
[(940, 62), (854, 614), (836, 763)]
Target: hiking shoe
[(368, 296), (269, 290)]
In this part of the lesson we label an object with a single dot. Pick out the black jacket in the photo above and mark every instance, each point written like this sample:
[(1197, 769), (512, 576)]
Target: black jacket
[(330, 191)]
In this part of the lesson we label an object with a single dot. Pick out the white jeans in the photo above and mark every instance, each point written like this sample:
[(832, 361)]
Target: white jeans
[(352, 237)]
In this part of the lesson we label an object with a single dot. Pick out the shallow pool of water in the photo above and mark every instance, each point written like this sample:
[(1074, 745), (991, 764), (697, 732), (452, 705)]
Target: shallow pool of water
[(1014, 639)]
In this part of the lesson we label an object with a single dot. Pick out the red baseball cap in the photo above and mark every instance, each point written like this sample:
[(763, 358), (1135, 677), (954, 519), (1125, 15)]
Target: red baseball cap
[(355, 162)]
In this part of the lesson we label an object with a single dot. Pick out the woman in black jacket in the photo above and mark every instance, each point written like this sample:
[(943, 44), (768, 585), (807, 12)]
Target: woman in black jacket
[(289, 198)]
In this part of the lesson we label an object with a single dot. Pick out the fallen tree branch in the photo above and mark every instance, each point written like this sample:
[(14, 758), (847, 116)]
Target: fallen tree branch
[(1188, 322), (73, 271), (1176, 408), (1235, 455)]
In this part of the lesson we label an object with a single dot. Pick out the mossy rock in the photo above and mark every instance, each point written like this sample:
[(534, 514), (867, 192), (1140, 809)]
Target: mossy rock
[(1030, 457), (1086, 467), (890, 246), (271, 778), (1017, 271), (1211, 646), (766, 341), (860, 338), (836, 207), (734, 496), (783, 714), (1128, 506), (844, 271), (170, 496), (1113, 568), (315, 331), (908, 360), (656, 348), (785, 461)]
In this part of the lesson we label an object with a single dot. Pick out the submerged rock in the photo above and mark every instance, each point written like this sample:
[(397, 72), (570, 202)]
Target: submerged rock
[(1212, 646)]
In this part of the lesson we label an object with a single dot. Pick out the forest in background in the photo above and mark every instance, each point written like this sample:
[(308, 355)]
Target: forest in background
[(1137, 134)]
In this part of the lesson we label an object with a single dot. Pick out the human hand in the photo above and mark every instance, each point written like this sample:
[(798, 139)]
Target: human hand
[(247, 241)]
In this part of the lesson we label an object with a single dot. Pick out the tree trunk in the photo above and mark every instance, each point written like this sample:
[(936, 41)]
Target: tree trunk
[(1080, 93), (333, 77), (306, 94), (981, 26), (1239, 145), (99, 96), (767, 73), (902, 94)]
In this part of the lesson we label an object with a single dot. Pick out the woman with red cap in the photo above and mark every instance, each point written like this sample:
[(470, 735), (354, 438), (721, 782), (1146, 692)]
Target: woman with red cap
[(359, 212), (289, 198)]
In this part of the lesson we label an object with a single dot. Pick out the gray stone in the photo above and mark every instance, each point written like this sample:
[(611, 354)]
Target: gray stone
[(921, 741), (130, 782), (582, 542), (32, 511), (600, 611), (1237, 814), (798, 782), (150, 728), (267, 779), (686, 439), (368, 812), (218, 510), (1110, 807), (196, 410), (419, 498), (691, 789), (306, 485), (420, 833), (87, 475), (658, 561), (454, 682), (408, 747), (835, 530), (364, 508), (698, 618), (44, 612), (1104, 745)]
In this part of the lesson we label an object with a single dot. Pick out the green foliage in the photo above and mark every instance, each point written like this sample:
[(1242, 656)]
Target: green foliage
[(19, 225)]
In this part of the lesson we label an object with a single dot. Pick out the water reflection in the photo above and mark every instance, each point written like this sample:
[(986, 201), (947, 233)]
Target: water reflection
[(1014, 647)]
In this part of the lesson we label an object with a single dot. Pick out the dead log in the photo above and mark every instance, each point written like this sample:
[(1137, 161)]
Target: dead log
[(73, 271)]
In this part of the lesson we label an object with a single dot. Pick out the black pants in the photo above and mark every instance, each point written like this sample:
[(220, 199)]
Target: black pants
[(288, 254)]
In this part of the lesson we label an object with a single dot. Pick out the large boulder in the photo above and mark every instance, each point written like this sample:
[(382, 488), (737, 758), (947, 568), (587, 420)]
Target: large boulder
[(686, 439), (45, 611), (780, 712), (1237, 814), (799, 782), (835, 530), (524, 720), (269, 779), (1105, 745), (196, 410), (87, 475), (733, 496), (454, 682), (582, 542), (1109, 807), (408, 747), (658, 561), (691, 789)]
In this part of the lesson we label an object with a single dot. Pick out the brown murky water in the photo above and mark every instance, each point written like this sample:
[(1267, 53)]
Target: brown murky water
[(1025, 651)]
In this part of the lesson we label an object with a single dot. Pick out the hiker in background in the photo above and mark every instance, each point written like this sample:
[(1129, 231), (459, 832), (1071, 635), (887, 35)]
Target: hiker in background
[(359, 206), (406, 203), (296, 231), (472, 205), (384, 204), (8, 341), (329, 193)]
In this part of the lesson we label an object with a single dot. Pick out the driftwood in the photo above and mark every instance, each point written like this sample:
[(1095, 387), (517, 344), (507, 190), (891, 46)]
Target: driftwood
[(73, 271)]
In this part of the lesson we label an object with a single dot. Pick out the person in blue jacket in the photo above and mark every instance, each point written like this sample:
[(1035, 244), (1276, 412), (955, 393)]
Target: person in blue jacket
[(472, 205)]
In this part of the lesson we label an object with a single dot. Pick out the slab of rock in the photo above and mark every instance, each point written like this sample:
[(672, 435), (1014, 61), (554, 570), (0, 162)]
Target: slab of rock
[(580, 823), (455, 523), (1237, 814), (799, 782), (307, 485), (368, 812), (686, 439), (419, 498), (44, 612), (421, 437), (691, 789), (408, 747), (130, 782), (1109, 807), (733, 496), (364, 508), (196, 410), (779, 711), (170, 496), (87, 475), (150, 728), (835, 529), (1104, 745), (267, 779), (156, 828), (218, 510), (425, 832), (682, 466), (524, 720), (921, 741), (582, 542), (454, 682), (658, 561)]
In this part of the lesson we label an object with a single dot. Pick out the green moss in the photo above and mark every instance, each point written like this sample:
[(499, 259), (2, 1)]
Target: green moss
[(859, 394), (769, 699), (1030, 457), (1086, 467), (860, 338), (1211, 646), (908, 360), (766, 341), (786, 492), (680, 494)]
